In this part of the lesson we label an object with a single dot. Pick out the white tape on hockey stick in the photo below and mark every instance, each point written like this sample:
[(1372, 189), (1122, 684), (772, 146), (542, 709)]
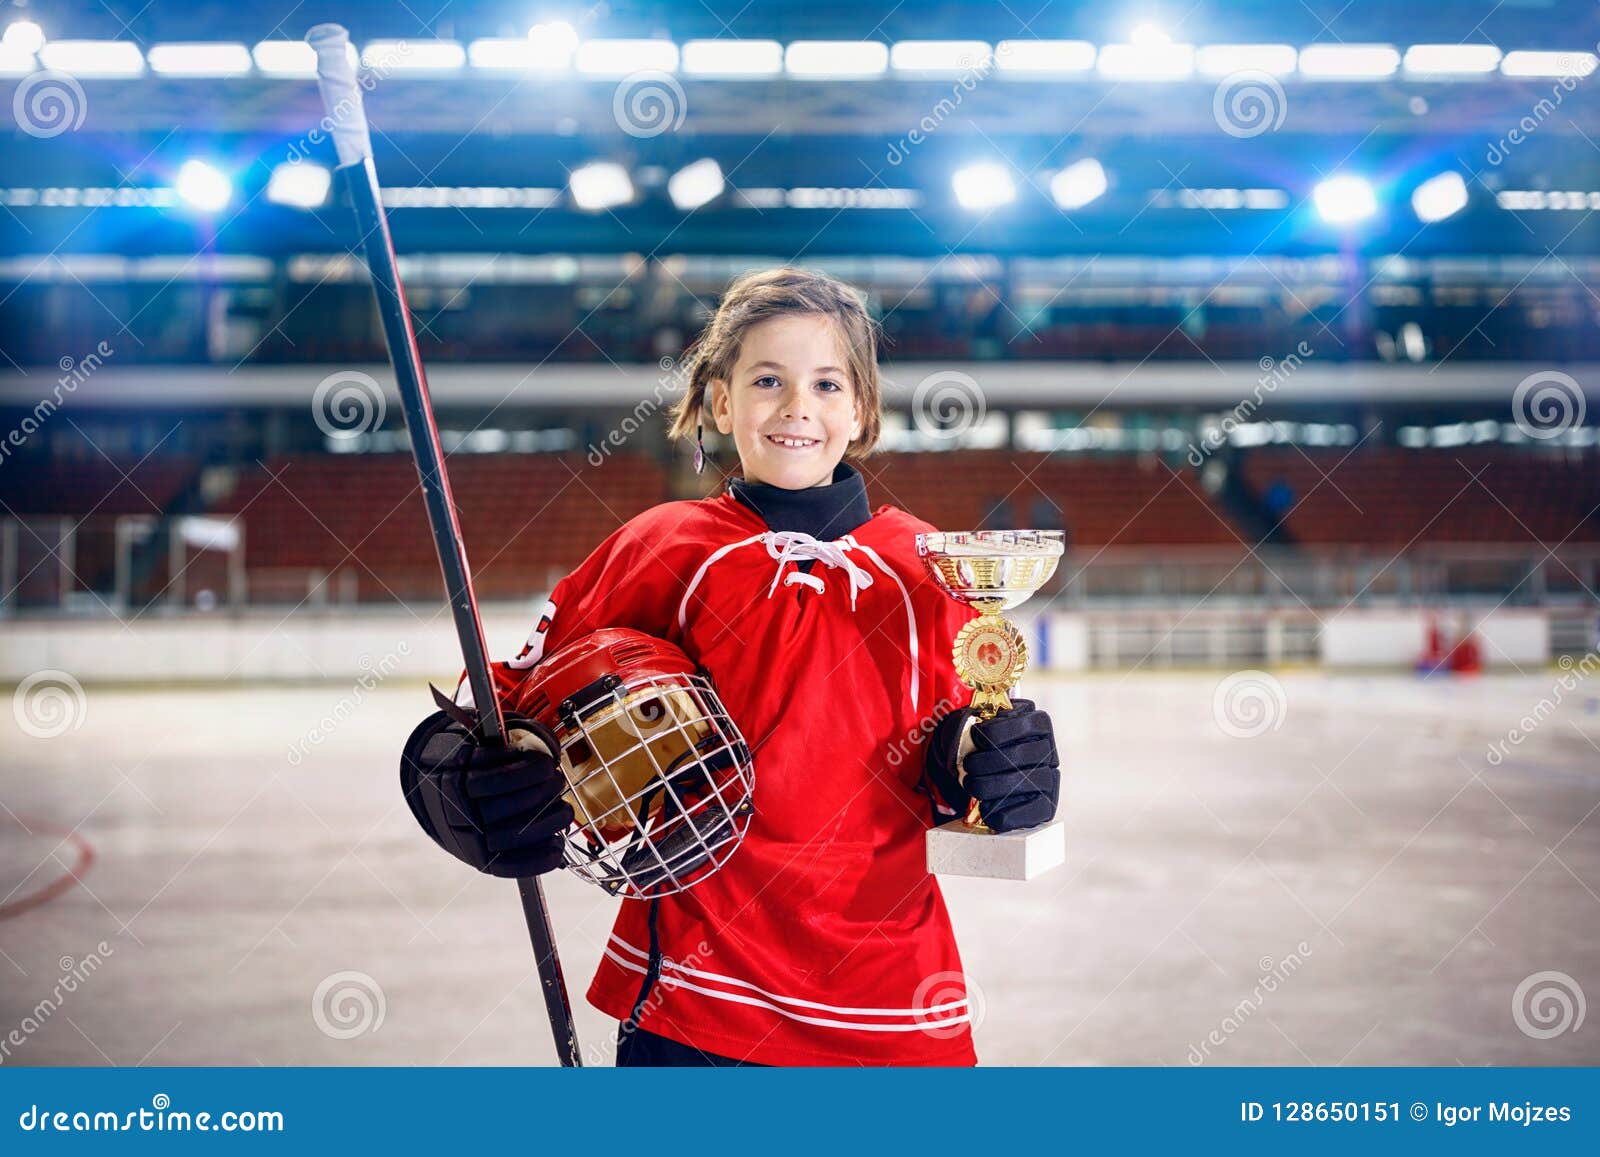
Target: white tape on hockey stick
[(341, 94)]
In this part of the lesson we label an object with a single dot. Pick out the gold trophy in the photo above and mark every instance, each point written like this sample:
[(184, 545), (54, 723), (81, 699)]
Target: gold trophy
[(994, 571)]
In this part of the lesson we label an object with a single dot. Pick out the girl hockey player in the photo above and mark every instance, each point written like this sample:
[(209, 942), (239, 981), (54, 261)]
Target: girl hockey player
[(823, 939)]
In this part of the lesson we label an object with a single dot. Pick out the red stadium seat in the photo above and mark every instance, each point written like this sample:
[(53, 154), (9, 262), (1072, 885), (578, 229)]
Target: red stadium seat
[(527, 518), (1100, 500), (1387, 496)]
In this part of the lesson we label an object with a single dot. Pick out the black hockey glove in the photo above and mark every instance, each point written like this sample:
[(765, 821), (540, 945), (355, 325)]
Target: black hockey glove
[(498, 809), (1008, 764)]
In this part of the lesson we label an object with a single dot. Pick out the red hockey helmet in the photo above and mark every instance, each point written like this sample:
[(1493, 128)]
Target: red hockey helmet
[(658, 775)]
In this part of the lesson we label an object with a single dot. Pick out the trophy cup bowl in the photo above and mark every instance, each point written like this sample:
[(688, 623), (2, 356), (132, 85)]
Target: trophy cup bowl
[(994, 571)]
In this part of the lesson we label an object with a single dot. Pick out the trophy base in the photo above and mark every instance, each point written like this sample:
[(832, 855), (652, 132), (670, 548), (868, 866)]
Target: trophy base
[(954, 849)]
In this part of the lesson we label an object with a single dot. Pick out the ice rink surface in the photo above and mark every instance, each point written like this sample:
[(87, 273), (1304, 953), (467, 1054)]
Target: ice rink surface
[(1300, 869)]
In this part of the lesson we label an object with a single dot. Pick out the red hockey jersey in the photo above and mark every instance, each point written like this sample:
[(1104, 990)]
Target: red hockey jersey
[(823, 940)]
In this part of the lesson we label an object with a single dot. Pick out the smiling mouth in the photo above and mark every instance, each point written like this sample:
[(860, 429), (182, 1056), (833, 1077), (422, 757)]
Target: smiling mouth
[(789, 443)]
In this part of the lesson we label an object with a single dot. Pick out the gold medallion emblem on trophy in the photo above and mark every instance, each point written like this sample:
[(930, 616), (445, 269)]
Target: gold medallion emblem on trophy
[(994, 571)]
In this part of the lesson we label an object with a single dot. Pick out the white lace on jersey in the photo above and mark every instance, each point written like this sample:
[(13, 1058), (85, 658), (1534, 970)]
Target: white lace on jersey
[(793, 546), (786, 546)]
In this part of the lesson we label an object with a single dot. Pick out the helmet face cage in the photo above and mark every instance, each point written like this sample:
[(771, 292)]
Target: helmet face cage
[(659, 780)]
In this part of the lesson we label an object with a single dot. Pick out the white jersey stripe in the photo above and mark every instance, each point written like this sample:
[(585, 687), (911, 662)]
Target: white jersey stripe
[(683, 606), (825, 1022), (911, 615), (794, 1000)]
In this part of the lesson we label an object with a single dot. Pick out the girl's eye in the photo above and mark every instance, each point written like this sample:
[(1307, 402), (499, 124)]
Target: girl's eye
[(829, 386), (766, 380)]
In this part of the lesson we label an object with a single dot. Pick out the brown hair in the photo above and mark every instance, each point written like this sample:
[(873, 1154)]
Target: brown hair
[(757, 297)]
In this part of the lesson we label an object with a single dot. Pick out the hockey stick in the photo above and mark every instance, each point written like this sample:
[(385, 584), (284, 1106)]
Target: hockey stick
[(347, 124)]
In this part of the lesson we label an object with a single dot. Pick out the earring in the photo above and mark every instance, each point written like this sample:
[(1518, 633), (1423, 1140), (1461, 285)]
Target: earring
[(699, 446)]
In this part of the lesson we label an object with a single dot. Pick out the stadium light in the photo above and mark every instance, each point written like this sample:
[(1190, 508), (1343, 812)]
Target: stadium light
[(814, 197), (414, 56), (1344, 200), (15, 62), (1156, 61), (1451, 59), (1551, 64), (732, 58), (616, 58), (23, 36), (303, 185), (554, 42), (470, 197), (1078, 184), (984, 185), (1044, 58), (509, 54), (836, 59), (1412, 342), (600, 185), (1223, 199), (286, 58), (541, 51), (1520, 199), (1349, 61), (86, 58), (1227, 59), (200, 60), (939, 57), (695, 185), (203, 186), (1439, 197)]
